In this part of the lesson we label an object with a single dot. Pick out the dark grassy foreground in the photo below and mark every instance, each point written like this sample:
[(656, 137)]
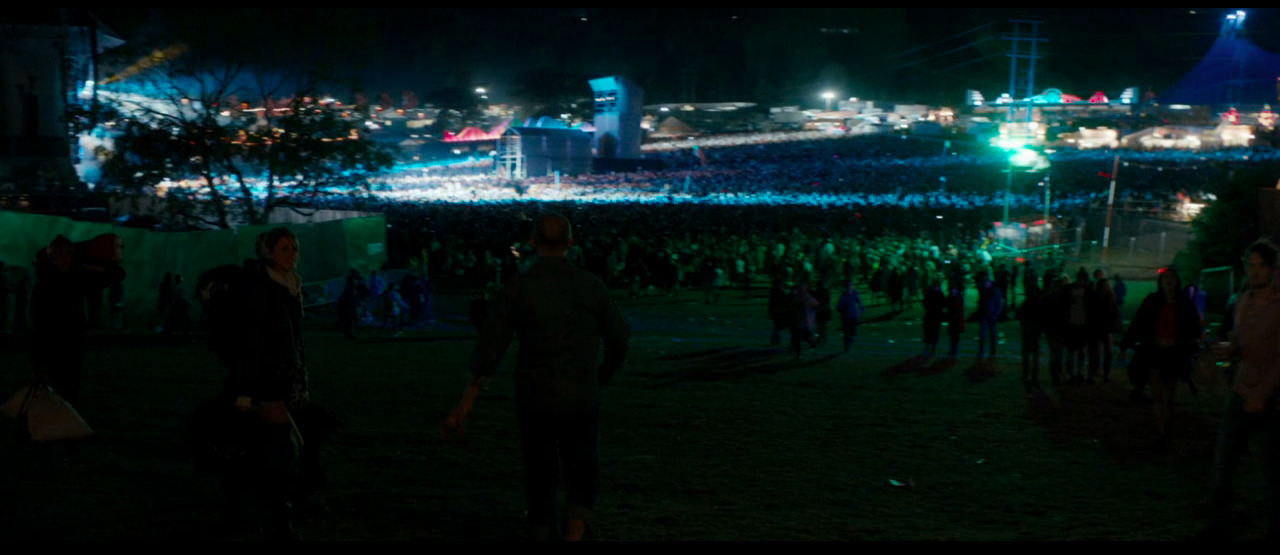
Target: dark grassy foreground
[(709, 435)]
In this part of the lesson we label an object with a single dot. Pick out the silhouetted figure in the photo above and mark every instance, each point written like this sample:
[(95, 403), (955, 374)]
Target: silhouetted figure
[(563, 316), (1252, 407), (990, 309), (851, 312), (64, 276), (1165, 332), (1031, 315), (935, 313), (956, 319)]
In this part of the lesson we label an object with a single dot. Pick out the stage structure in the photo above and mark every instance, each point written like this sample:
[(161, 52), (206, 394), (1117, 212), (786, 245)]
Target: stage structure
[(525, 152), (619, 113)]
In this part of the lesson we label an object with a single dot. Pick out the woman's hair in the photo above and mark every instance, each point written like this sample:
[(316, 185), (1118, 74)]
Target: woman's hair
[(268, 241)]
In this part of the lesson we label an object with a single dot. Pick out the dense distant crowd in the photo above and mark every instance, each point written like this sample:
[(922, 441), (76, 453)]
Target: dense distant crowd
[(865, 171), (762, 191)]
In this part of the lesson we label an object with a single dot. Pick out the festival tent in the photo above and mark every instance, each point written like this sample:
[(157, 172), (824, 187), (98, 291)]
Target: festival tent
[(473, 134), (1234, 72), (672, 128), (1165, 137)]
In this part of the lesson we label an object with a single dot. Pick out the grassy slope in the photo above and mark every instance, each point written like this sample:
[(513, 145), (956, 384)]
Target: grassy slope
[(709, 435)]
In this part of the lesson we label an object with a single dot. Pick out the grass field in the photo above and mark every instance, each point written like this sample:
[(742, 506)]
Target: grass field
[(709, 434)]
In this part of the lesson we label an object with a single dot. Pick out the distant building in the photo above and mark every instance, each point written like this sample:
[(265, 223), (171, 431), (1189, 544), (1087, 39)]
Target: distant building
[(48, 61)]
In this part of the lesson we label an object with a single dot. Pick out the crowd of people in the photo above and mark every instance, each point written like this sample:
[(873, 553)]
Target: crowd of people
[(822, 228), (846, 172)]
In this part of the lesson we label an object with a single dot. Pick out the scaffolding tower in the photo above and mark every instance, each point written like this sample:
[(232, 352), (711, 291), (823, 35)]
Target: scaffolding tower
[(511, 157)]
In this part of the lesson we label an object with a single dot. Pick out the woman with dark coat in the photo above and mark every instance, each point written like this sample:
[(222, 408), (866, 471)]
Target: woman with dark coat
[(269, 379), (1165, 332)]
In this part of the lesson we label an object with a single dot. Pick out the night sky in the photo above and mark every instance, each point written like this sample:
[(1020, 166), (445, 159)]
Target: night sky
[(770, 55)]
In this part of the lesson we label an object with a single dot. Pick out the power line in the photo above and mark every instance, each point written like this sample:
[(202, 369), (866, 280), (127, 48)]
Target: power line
[(947, 53), (932, 44)]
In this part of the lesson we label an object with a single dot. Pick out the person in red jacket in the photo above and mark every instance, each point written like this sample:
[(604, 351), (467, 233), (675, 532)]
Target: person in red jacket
[(1165, 333)]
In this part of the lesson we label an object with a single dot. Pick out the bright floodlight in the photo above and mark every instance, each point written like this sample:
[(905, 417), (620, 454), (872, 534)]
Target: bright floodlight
[(1026, 158), (829, 95), (1012, 144), (482, 90)]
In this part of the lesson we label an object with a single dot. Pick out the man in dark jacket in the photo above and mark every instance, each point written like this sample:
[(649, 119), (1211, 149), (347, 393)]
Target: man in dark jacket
[(1031, 315), (562, 316), (64, 278)]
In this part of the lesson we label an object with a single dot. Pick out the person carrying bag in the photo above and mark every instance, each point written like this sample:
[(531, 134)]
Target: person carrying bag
[(44, 417)]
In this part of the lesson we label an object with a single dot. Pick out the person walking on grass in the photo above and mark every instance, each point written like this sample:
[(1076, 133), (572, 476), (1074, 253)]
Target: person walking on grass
[(563, 317)]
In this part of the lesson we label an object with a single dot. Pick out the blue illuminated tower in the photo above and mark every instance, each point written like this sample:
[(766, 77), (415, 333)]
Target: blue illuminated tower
[(619, 111)]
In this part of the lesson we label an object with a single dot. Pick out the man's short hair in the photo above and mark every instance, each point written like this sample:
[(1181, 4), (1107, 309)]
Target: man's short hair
[(553, 232), (1265, 250)]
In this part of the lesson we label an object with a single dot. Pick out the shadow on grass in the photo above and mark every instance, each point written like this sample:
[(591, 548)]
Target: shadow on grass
[(923, 366), (417, 340), (695, 356), (1103, 415), (886, 317), (730, 364), (981, 372)]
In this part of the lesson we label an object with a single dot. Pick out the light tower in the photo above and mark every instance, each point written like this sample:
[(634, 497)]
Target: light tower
[(1232, 28), (619, 111), (1234, 24)]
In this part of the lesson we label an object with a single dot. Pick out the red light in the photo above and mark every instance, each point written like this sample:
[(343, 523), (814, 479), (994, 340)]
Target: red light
[(1163, 270), (999, 224), (1021, 260)]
